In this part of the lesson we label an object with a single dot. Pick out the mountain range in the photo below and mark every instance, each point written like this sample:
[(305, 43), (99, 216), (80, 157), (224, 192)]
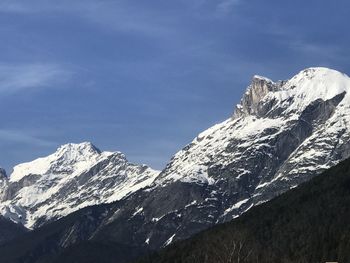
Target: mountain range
[(281, 135)]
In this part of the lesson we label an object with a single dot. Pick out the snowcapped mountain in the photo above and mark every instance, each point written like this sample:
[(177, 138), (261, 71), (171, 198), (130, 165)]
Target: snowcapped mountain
[(280, 135), (75, 176)]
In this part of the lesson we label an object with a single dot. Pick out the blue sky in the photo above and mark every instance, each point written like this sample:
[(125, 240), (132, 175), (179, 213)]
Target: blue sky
[(145, 77)]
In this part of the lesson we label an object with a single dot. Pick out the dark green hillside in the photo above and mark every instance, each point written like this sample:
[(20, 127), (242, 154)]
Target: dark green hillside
[(48, 244), (308, 224), (10, 230), (97, 252)]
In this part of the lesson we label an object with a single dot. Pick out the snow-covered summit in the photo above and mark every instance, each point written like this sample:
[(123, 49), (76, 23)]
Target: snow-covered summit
[(74, 176), (310, 85), (264, 96), (320, 74), (281, 134), (67, 158), (84, 148), (258, 77)]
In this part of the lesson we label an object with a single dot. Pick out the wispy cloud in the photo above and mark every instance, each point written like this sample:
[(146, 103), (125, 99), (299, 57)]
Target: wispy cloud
[(113, 15), (226, 6), (19, 77), (297, 41), (16, 136), (12, 6), (123, 16), (316, 49), (35, 6)]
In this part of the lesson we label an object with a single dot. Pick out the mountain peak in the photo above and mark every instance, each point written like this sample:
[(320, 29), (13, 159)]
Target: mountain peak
[(309, 85), (81, 148), (261, 78), (318, 71), (256, 91), (319, 75), (67, 158), (76, 175)]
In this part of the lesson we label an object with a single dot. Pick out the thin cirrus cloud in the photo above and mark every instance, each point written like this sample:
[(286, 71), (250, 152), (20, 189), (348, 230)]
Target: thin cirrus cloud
[(21, 77), (35, 6), (115, 15), (109, 15), (15, 136), (10, 6), (225, 6)]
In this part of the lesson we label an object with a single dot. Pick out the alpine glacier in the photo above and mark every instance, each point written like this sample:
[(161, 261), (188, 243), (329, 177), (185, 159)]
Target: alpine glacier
[(75, 176)]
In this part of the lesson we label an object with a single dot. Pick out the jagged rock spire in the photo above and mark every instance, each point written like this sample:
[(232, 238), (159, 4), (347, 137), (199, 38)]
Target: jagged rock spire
[(256, 91)]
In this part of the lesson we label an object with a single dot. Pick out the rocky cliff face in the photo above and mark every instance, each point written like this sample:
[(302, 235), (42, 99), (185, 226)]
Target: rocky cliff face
[(251, 101), (3, 183), (75, 176), (2, 173)]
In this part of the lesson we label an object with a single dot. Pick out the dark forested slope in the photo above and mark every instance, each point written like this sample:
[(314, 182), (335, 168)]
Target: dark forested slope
[(308, 224), (9, 230), (69, 239)]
